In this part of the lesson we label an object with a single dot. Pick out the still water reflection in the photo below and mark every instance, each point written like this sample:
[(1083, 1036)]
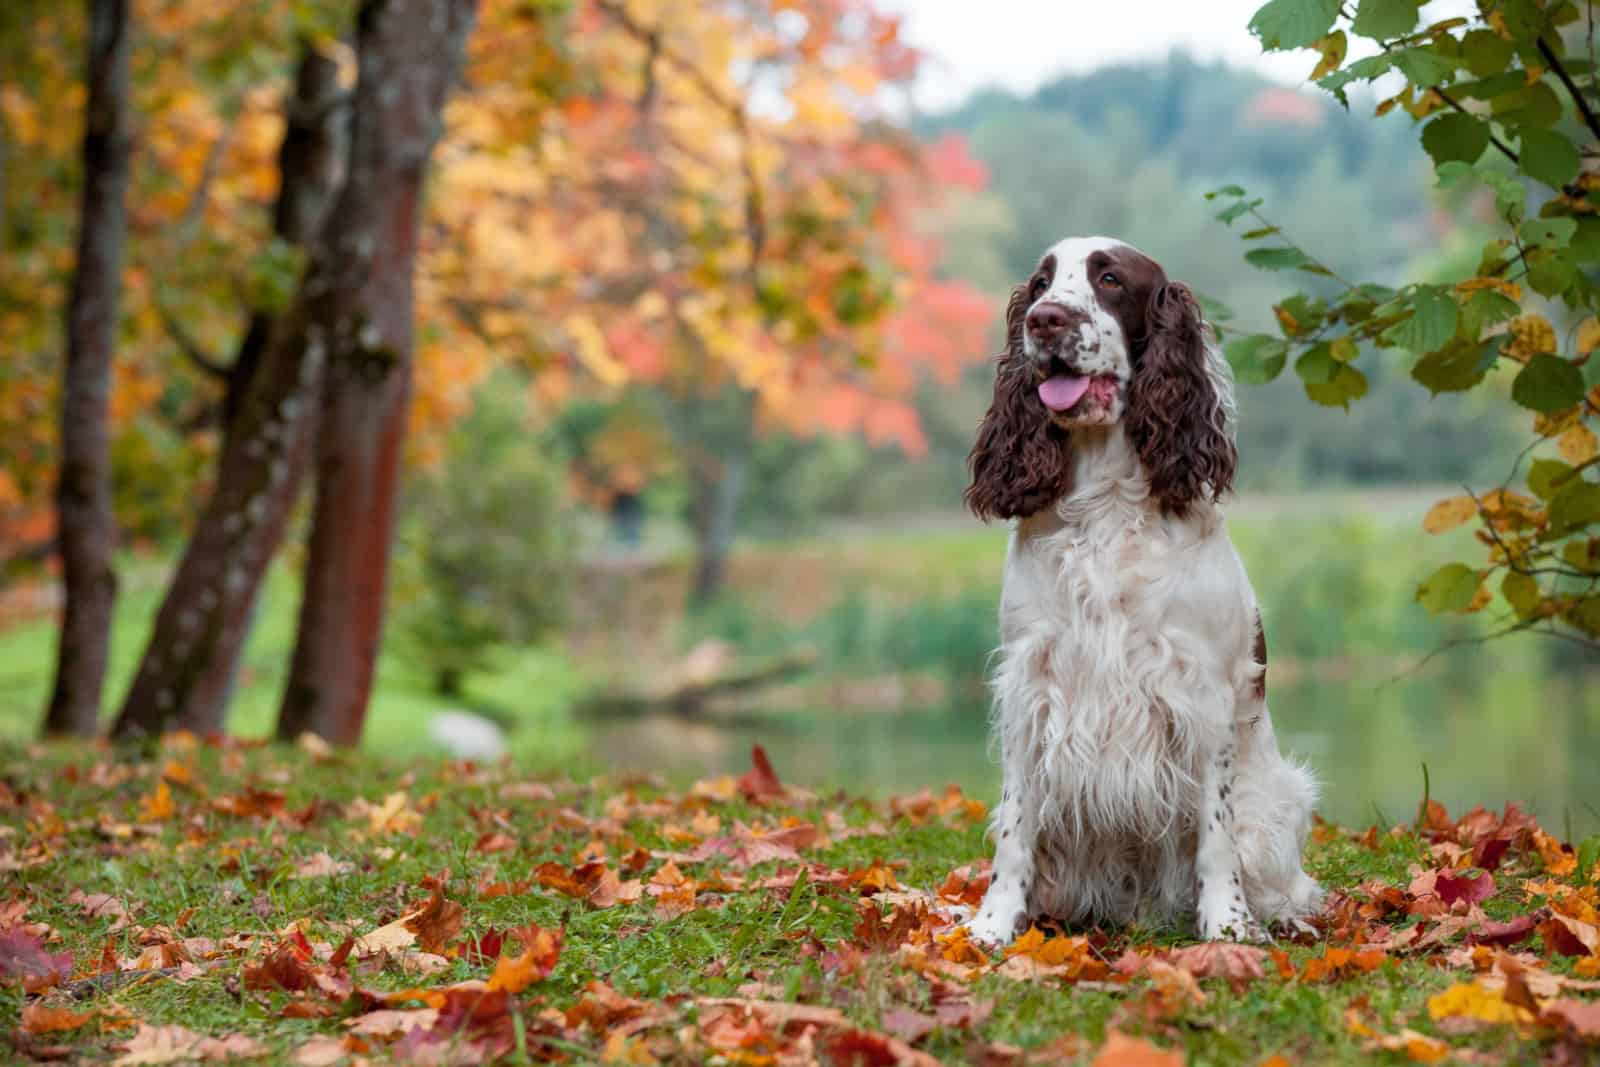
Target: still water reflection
[(1488, 736)]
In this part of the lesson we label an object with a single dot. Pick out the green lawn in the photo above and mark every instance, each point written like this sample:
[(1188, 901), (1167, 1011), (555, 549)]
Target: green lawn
[(190, 888)]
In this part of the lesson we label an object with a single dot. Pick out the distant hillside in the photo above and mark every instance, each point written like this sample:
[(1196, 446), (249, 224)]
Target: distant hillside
[(1129, 151)]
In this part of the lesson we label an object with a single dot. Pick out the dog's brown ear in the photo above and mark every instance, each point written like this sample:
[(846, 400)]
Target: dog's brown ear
[(1177, 407), (1020, 463)]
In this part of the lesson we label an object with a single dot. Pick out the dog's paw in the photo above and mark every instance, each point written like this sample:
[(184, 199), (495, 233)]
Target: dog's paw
[(1230, 924), (992, 929)]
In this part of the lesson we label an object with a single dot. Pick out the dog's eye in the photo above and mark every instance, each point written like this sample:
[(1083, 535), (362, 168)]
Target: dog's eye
[(1037, 287), (1110, 281)]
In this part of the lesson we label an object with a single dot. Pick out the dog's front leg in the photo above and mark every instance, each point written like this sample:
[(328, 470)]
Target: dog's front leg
[(1004, 912), (1223, 913)]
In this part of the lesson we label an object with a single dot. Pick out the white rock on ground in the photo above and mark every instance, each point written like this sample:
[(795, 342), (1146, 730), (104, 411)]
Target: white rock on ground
[(467, 736)]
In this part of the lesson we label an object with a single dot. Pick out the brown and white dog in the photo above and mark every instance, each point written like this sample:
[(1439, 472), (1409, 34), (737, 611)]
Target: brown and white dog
[(1141, 776)]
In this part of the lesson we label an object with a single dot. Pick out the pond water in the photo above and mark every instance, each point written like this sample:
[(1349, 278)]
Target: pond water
[(1488, 732)]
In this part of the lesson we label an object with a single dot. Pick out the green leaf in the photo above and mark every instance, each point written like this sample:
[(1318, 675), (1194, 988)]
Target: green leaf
[(1316, 365), (1547, 383), (1521, 592), (1585, 246), (1283, 24), (1575, 505), (1449, 589), (1214, 309), (1553, 231), (1384, 20), (1226, 190), (1455, 137), (1531, 105), (1548, 157), (1550, 273), (1486, 308), (1344, 349), (1252, 235), (1256, 359), (1424, 66), (1456, 367), (1543, 474), (1486, 52), (1237, 208), (1432, 322), (1346, 384), (1276, 258), (1361, 70)]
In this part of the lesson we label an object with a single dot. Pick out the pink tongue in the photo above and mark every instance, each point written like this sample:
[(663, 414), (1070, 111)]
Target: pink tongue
[(1062, 391)]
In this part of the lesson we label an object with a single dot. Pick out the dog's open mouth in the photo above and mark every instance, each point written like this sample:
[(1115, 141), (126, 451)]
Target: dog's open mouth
[(1062, 391)]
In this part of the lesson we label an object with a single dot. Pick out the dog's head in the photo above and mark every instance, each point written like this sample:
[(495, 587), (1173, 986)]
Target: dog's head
[(1095, 338)]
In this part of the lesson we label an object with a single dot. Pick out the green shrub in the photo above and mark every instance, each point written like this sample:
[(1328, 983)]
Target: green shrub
[(487, 545)]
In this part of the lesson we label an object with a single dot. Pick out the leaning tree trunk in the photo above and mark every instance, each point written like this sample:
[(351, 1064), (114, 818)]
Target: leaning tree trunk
[(409, 51), (189, 663), (87, 526)]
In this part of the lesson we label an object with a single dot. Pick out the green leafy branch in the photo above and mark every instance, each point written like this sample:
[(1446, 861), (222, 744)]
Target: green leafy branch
[(1503, 80)]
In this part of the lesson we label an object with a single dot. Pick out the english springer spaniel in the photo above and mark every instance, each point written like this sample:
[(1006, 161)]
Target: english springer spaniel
[(1141, 776)]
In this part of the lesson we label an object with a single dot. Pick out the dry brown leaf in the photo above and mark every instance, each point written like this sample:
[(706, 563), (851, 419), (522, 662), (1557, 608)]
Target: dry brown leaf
[(392, 1022), (1449, 513), (43, 1019), (1120, 1050), (321, 865)]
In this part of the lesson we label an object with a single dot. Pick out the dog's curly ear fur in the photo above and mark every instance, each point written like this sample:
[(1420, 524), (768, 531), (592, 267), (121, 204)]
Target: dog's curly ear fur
[(1178, 405), (1020, 463)]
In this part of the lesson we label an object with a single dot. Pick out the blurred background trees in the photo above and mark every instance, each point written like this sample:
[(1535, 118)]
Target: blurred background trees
[(698, 325)]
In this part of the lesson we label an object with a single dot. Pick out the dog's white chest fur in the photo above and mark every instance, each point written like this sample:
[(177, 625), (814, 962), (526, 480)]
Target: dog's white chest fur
[(1124, 673)]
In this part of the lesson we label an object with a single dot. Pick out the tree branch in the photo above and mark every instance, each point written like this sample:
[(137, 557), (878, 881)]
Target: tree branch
[(191, 348), (1501, 145), (1589, 119)]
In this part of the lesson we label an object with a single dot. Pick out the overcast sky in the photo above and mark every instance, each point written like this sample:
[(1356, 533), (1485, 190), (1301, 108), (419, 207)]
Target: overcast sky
[(1020, 43)]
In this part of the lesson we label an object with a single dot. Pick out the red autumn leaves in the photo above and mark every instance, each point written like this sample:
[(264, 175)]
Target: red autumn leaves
[(861, 954)]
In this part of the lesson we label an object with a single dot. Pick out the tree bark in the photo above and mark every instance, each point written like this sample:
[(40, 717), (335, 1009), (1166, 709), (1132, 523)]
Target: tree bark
[(190, 663), (87, 525), (409, 52), (714, 511)]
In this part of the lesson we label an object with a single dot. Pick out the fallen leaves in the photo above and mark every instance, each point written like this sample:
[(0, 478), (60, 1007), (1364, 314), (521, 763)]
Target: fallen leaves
[(540, 951), (844, 943), (178, 1044)]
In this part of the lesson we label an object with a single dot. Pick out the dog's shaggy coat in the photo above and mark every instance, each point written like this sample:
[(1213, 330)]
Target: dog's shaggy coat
[(1141, 776)]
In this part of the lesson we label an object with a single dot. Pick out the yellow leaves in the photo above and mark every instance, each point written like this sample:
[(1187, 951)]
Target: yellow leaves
[(158, 806), (1472, 1000), (394, 816), (1331, 51), (1578, 444), (1588, 336), (1506, 288), (1449, 513), (1530, 336), (593, 352)]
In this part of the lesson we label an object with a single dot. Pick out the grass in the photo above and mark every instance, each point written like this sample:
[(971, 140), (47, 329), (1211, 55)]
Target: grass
[(78, 821)]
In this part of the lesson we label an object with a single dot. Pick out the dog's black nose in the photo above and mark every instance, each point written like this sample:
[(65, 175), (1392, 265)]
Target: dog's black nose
[(1047, 322)]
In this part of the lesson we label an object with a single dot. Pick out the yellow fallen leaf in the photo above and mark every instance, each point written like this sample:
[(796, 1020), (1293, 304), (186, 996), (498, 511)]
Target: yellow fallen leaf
[(158, 806), (1472, 1001)]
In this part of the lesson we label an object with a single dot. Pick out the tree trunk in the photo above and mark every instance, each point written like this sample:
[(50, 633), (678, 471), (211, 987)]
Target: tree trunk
[(87, 526), (714, 511), (189, 665), (409, 51)]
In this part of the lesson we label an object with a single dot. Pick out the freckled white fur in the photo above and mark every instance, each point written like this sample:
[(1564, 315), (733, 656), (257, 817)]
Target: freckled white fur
[(1101, 347), (1142, 777)]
